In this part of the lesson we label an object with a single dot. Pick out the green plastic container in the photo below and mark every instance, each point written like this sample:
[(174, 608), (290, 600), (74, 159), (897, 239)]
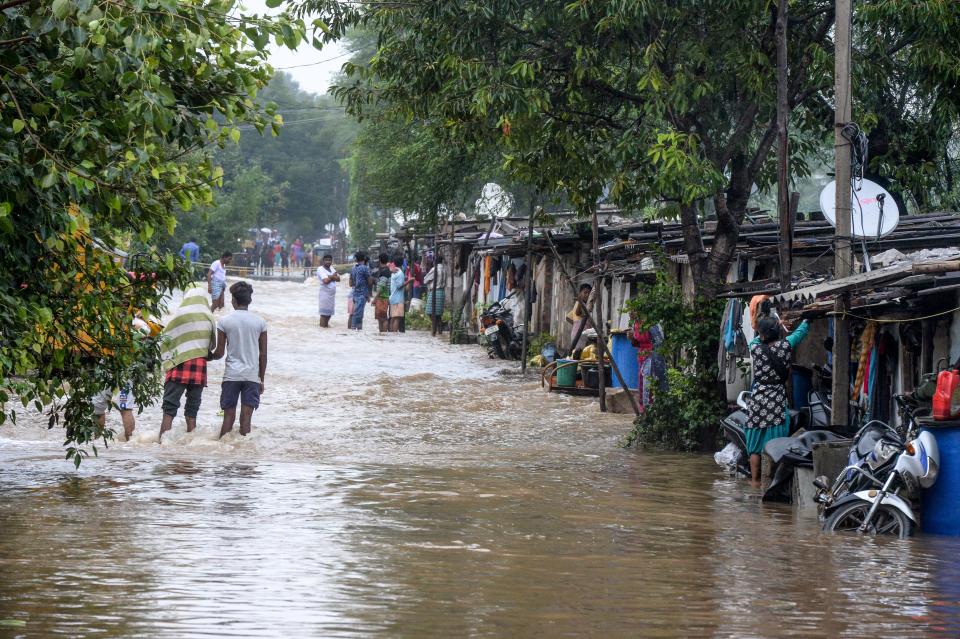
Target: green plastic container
[(566, 372)]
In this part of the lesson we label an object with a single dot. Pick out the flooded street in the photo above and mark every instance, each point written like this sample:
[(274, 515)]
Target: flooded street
[(397, 486)]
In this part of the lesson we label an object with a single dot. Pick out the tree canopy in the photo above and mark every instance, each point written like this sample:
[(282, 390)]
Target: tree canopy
[(657, 102), (296, 181), (108, 112)]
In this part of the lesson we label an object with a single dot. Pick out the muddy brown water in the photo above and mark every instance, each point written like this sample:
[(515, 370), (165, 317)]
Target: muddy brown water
[(396, 486)]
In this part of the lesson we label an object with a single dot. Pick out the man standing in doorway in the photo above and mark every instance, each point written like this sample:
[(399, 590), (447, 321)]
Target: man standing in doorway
[(360, 280), (217, 280), (243, 336)]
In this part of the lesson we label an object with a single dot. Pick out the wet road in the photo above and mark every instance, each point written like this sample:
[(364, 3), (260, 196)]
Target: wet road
[(396, 486)]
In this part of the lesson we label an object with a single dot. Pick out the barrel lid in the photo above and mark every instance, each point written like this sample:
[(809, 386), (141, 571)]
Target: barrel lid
[(931, 423)]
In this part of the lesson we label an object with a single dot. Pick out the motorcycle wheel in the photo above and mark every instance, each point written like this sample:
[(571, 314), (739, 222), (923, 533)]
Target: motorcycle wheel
[(886, 521)]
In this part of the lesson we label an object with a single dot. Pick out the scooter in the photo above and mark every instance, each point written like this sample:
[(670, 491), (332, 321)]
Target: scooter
[(504, 340), (892, 467), (734, 429), (872, 457)]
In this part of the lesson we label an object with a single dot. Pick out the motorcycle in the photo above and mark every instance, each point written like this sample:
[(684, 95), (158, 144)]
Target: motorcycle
[(734, 429), (871, 495), (504, 340)]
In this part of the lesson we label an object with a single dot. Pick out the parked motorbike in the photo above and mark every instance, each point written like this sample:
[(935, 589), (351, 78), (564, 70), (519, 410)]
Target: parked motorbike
[(734, 425), (885, 469), (504, 340)]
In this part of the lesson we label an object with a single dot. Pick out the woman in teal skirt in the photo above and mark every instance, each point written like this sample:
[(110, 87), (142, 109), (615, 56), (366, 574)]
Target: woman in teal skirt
[(767, 416), (435, 295)]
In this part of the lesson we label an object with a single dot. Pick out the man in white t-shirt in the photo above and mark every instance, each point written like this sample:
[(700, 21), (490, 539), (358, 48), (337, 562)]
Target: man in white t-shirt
[(242, 335), (217, 280)]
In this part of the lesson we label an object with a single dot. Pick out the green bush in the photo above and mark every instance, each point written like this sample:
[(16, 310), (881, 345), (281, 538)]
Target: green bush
[(683, 417), (538, 342), (686, 415), (417, 321)]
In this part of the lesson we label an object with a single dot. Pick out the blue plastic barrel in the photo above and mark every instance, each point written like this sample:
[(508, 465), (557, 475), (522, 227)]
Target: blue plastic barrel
[(625, 355), (940, 504), (802, 380)]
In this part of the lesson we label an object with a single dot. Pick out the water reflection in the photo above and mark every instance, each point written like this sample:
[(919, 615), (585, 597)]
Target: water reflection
[(422, 494)]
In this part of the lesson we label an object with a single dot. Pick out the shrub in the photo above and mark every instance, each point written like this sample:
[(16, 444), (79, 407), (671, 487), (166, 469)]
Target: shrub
[(683, 417), (686, 415)]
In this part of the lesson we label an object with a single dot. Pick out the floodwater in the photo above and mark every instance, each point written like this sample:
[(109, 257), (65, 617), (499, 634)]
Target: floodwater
[(396, 486)]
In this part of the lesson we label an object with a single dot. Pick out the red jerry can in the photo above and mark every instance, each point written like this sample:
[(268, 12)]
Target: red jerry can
[(946, 400)]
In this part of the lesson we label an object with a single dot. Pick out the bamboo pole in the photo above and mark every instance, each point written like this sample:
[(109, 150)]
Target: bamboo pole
[(449, 261), (598, 309), (436, 275), (603, 346)]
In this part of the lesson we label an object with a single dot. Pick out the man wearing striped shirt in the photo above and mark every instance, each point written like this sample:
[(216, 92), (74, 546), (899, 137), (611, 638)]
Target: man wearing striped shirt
[(189, 337)]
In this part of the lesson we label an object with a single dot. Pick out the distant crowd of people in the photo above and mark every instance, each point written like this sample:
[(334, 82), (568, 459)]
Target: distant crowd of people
[(275, 255), (385, 286)]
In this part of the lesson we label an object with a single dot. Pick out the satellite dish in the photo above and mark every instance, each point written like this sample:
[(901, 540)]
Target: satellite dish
[(874, 212)]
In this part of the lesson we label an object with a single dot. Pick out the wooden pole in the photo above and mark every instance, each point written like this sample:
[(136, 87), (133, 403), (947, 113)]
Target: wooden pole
[(843, 264), (450, 282), (598, 306), (526, 290), (436, 274), (603, 346), (783, 151)]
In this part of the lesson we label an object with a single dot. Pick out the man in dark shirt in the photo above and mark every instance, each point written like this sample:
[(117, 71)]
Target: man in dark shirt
[(361, 281)]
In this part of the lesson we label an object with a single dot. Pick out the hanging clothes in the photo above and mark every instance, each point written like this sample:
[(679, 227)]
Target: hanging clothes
[(733, 343), (860, 385), (486, 276)]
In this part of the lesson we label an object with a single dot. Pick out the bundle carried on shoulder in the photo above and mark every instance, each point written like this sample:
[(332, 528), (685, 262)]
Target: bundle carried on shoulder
[(192, 332)]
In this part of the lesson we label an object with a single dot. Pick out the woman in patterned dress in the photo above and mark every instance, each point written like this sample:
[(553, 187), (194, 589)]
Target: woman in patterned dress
[(767, 416)]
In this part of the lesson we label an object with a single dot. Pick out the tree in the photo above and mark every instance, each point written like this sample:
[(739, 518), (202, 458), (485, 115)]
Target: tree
[(308, 156), (250, 199), (659, 102), (107, 113)]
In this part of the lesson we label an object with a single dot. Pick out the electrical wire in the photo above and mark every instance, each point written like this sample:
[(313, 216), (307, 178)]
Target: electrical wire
[(313, 64), (894, 321)]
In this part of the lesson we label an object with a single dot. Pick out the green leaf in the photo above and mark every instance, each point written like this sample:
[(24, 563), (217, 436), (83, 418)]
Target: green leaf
[(62, 8), (273, 4), (18, 125)]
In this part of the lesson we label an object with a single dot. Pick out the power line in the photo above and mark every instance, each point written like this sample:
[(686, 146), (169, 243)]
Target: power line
[(247, 127), (313, 64)]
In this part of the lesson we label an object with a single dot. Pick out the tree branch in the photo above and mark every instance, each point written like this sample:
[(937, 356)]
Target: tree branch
[(11, 42), (13, 3)]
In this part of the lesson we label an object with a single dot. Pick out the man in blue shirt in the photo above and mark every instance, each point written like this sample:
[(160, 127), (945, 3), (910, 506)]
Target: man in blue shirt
[(190, 251), (360, 280)]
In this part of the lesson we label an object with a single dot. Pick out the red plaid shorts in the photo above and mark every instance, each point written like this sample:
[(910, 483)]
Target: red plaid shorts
[(192, 372)]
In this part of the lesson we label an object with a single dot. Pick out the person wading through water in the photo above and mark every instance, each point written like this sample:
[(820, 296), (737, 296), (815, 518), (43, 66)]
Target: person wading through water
[(242, 335), (767, 416), (188, 338), (328, 289)]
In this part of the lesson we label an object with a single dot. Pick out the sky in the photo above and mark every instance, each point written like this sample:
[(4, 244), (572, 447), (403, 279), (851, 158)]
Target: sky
[(321, 66)]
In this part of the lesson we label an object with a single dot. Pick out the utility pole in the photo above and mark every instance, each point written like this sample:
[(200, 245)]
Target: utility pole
[(843, 264), (527, 286), (783, 151)]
